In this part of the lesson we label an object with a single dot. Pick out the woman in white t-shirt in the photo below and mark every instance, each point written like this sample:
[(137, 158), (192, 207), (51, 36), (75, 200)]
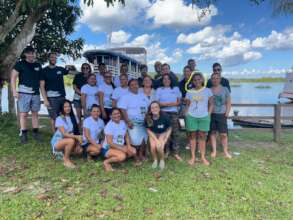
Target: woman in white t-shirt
[(64, 142), (89, 94), (147, 88), (134, 106), (93, 127), (169, 97), (197, 117), (105, 96), (121, 90), (116, 146)]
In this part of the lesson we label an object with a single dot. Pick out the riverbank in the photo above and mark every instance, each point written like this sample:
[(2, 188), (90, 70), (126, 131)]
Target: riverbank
[(257, 184)]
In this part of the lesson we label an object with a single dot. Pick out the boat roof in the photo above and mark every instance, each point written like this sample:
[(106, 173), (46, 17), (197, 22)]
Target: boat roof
[(89, 54), (130, 50)]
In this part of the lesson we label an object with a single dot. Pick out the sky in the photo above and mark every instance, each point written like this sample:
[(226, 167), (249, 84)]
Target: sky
[(246, 39)]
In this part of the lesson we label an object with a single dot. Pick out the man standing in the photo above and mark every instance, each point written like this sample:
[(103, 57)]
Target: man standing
[(165, 71), (143, 73), (192, 64), (28, 73), (123, 70), (52, 88), (217, 69), (158, 68)]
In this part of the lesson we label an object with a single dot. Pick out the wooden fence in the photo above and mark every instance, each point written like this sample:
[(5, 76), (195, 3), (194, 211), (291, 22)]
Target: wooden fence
[(277, 117)]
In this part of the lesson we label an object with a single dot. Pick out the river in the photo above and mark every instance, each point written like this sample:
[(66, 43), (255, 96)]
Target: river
[(264, 93)]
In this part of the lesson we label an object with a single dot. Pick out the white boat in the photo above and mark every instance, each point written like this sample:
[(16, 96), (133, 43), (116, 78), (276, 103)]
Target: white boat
[(288, 87), (134, 57)]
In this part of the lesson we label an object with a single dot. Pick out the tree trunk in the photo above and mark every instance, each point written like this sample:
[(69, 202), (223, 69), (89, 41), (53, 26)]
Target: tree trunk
[(11, 105)]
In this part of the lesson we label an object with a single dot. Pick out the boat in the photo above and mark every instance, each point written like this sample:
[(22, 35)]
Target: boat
[(260, 123), (134, 57), (288, 87)]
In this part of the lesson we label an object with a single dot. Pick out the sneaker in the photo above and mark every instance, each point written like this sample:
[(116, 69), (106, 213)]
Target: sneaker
[(36, 136), (155, 164), (23, 138), (162, 164)]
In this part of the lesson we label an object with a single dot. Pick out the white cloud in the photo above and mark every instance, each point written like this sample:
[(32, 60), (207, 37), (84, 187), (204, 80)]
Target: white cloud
[(215, 43), (176, 13), (141, 40), (276, 40), (208, 35), (120, 37), (99, 17)]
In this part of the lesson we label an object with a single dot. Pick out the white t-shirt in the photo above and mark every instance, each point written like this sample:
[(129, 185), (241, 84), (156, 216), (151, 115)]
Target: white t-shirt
[(95, 128), (164, 95), (100, 79), (136, 106), (64, 122), (91, 93), (107, 90), (119, 92), (199, 102), (152, 97), (117, 131)]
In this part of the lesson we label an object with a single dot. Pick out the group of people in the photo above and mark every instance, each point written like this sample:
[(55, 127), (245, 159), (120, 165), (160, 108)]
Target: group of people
[(119, 117)]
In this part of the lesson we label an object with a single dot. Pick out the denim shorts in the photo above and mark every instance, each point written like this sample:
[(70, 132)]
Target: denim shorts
[(137, 134), (104, 152), (55, 139), (28, 102)]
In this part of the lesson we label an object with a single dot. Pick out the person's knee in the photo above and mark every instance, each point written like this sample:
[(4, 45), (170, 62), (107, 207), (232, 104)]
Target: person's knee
[(223, 135), (71, 142), (201, 135), (121, 157), (94, 150)]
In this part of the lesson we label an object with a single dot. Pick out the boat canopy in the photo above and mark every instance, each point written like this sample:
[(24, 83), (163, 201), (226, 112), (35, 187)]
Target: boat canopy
[(288, 86)]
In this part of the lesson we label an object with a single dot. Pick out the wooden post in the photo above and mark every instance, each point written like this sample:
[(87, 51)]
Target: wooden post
[(277, 123)]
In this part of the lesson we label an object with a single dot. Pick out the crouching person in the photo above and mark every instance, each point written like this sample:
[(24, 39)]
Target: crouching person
[(65, 140), (93, 127), (159, 130), (116, 146)]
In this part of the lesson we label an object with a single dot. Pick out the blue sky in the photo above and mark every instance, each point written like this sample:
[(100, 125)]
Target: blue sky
[(247, 39)]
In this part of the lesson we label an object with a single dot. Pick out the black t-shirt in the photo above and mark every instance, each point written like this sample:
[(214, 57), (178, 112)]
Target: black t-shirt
[(182, 87), (79, 80), (54, 82), (224, 82), (159, 125), (29, 77)]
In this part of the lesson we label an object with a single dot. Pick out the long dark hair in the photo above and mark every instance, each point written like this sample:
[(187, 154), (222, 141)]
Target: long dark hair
[(149, 115), (171, 81), (86, 64), (72, 116)]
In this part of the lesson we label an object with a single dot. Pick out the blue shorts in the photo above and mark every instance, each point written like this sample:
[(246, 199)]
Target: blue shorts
[(29, 102), (104, 152), (55, 139)]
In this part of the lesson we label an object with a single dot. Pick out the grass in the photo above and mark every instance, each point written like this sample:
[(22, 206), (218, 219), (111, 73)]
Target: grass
[(262, 87), (258, 184)]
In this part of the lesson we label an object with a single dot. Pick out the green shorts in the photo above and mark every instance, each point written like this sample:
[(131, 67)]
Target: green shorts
[(197, 124)]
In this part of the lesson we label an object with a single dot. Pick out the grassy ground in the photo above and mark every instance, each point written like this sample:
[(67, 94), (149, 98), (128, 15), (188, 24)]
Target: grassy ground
[(257, 184)]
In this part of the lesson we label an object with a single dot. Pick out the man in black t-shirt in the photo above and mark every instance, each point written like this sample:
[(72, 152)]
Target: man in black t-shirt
[(52, 88), (217, 68), (158, 82), (28, 73)]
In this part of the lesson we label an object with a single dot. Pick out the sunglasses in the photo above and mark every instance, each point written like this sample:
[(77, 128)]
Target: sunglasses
[(217, 70)]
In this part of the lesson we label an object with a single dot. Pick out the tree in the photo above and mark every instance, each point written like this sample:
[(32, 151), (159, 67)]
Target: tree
[(45, 24)]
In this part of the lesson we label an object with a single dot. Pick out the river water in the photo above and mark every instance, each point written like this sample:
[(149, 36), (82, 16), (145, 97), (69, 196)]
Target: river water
[(246, 93)]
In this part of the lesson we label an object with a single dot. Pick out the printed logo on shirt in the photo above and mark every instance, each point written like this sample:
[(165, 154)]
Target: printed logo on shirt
[(120, 139), (197, 98), (160, 126), (59, 72), (143, 110), (37, 68)]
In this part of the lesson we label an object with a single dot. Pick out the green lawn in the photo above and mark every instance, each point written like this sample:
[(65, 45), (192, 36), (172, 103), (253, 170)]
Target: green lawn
[(257, 184)]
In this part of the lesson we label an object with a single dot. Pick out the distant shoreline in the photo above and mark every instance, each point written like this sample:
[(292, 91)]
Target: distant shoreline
[(258, 80)]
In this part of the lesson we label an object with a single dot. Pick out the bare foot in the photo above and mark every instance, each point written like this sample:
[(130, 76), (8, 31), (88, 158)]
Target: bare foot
[(69, 164), (227, 155), (108, 167), (205, 162), (191, 162), (177, 157), (213, 155)]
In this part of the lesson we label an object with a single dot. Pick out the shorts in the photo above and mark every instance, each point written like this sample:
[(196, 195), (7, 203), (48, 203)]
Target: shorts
[(55, 139), (197, 124), (219, 123), (55, 106), (138, 134), (28, 102), (76, 103), (104, 152)]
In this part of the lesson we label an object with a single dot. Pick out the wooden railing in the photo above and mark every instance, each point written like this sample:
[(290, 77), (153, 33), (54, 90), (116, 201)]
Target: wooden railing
[(277, 117)]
